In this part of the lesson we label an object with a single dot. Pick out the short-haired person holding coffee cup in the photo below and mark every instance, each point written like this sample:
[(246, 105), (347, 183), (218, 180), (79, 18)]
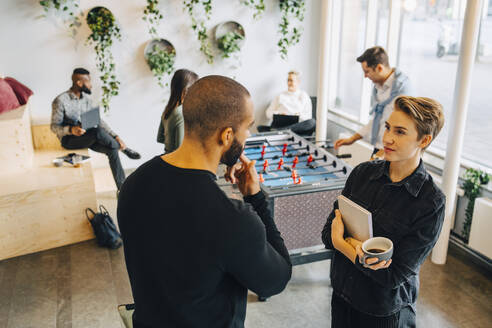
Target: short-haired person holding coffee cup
[(407, 212)]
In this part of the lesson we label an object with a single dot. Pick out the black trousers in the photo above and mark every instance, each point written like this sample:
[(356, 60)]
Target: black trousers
[(344, 316), (100, 141), (306, 127)]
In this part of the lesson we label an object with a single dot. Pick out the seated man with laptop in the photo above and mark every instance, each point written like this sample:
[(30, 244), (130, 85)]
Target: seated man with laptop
[(77, 124), (291, 109)]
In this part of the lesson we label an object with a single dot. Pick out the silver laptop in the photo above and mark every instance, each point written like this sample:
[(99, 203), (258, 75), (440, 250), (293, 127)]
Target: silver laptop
[(90, 119)]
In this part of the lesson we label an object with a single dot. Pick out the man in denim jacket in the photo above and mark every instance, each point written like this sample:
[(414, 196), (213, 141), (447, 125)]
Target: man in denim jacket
[(388, 84)]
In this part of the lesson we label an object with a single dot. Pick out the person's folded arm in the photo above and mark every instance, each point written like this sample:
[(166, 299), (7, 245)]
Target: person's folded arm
[(57, 116), (259, 260), (410, 252)]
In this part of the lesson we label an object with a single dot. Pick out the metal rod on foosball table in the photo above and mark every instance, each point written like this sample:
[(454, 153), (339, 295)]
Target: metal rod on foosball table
[(278, 151), (288, 155), (302, 185), (290, 162), (344, 170), (314, 137), (314, 166), (281, 151), (324, 158), (262, 141)]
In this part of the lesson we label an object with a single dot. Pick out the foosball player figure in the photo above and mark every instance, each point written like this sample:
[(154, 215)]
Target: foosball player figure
[(280, 163), (265, 166), (294, 162), (284, 150), (294, 176)]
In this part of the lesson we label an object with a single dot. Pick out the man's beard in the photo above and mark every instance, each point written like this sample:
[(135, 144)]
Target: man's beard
[(231, 156), (85, 89)]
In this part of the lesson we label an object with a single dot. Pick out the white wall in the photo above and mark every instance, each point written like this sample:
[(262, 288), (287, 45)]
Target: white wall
[(40, 53)]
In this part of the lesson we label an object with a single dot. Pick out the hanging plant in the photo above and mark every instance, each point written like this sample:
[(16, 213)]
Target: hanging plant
[(257, 5), (104, 29), (230, 43), (152, 16), (290, 31), (68, 10), (198, 25), (160, 57), (473, 180)]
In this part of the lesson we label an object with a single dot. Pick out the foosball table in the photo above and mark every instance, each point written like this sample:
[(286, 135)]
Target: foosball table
[(301, 181)]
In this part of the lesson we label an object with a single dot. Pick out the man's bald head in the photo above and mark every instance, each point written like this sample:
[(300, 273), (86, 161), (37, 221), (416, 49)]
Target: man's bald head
[(214, 103)]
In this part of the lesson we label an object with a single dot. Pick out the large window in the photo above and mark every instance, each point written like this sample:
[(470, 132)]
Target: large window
[(478, 136), (349, 86), (428, 53), (423, 39), (382, 23)]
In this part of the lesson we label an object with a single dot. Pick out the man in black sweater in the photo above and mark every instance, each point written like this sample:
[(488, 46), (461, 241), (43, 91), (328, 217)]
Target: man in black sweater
[(191, 252)]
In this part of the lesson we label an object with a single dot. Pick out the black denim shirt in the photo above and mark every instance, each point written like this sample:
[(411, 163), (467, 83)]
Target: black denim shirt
[(410, 213)]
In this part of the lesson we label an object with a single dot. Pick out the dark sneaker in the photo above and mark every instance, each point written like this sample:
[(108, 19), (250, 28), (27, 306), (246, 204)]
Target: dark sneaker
[(131, 153)]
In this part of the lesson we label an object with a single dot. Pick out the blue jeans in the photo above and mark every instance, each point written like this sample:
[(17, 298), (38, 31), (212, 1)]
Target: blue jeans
[(100, 141)]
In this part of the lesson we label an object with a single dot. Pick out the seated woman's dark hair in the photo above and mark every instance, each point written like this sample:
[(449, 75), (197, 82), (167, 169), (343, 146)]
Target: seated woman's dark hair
[(181, 81)]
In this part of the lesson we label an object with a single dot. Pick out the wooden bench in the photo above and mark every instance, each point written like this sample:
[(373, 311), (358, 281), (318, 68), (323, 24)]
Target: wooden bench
[(41, 206)]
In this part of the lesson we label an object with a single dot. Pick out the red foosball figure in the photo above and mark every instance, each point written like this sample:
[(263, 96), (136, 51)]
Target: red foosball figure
[(299, 180), (262, 179), (295, 161), (309, 159), (265, 165), (284, 150), (280, 163)]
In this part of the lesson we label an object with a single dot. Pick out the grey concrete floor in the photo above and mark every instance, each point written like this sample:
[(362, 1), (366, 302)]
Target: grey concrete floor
[(81, 285)]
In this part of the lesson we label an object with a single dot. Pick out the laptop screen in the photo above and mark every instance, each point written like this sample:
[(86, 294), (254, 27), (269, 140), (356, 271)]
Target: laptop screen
[(90, 119), (280, 121)]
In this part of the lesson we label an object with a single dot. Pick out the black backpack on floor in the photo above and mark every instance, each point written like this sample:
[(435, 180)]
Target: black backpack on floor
[(104, 228)]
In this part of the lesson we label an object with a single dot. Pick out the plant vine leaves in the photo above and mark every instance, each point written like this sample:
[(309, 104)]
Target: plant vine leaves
[(257, 5), (67, 10), (104, 29), (291, 11), (198, 25), (473, 180), (161, 62), (152, 16), (229, 43)]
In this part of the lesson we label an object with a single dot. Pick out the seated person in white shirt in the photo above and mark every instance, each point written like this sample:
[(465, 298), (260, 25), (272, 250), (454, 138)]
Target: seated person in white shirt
[(292, 102)]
